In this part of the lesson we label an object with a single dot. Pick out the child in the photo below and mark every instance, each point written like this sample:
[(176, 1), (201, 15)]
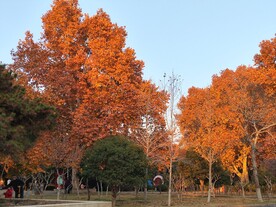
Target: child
[(8, 193)]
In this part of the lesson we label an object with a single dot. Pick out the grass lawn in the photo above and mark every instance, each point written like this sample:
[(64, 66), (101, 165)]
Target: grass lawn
[(129, 199)]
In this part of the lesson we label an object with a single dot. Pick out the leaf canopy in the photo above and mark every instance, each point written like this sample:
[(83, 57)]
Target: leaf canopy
[(116, 161)]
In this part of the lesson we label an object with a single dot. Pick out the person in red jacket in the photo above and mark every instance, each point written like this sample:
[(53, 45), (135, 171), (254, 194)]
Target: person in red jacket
[(8, 193)]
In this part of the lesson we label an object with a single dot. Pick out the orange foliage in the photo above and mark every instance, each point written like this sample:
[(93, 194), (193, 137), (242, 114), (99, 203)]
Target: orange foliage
[(205, 123), (252, 105), (150, 132), (266, 63), (232, 119), (251, 98), (81, 66)]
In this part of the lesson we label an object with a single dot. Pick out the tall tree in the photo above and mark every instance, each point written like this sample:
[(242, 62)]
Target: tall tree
[(150, 134), (204, 123), (173, 88), (81, 65), (254, 106)]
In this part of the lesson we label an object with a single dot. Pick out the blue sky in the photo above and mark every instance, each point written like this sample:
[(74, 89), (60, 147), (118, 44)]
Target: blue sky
[(195, 39)]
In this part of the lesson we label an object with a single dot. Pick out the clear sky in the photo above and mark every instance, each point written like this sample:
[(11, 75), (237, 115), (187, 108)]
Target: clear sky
[(194, 38)]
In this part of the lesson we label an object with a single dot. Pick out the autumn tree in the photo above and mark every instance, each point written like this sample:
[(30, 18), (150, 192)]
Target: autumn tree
[(265, 62), (254, 108), (150, 134), (235, 158), (81, 65), (204, 123), (172, 86)]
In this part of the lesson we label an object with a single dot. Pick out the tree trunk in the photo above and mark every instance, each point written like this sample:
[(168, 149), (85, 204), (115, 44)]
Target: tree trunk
[(243, 191), (244, 176), (136, 189), (269, 185), (59, 183), (113, 201), (106, 190), (201, 185), (255, 173), (170, 182), (229, 190), (210, 181), (101, 185), (75, 181), (146, 185), (98, 188), (115, 191), (88, 191)]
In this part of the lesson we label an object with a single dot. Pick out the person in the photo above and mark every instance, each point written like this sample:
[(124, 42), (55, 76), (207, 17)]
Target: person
[(68, 186), (18, 186), (8, 193)]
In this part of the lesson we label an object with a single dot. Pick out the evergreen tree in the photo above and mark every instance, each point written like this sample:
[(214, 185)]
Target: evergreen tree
[(21, 118)]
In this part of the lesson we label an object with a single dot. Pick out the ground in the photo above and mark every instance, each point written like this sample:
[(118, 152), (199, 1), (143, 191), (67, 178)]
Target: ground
[(155, 199)]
